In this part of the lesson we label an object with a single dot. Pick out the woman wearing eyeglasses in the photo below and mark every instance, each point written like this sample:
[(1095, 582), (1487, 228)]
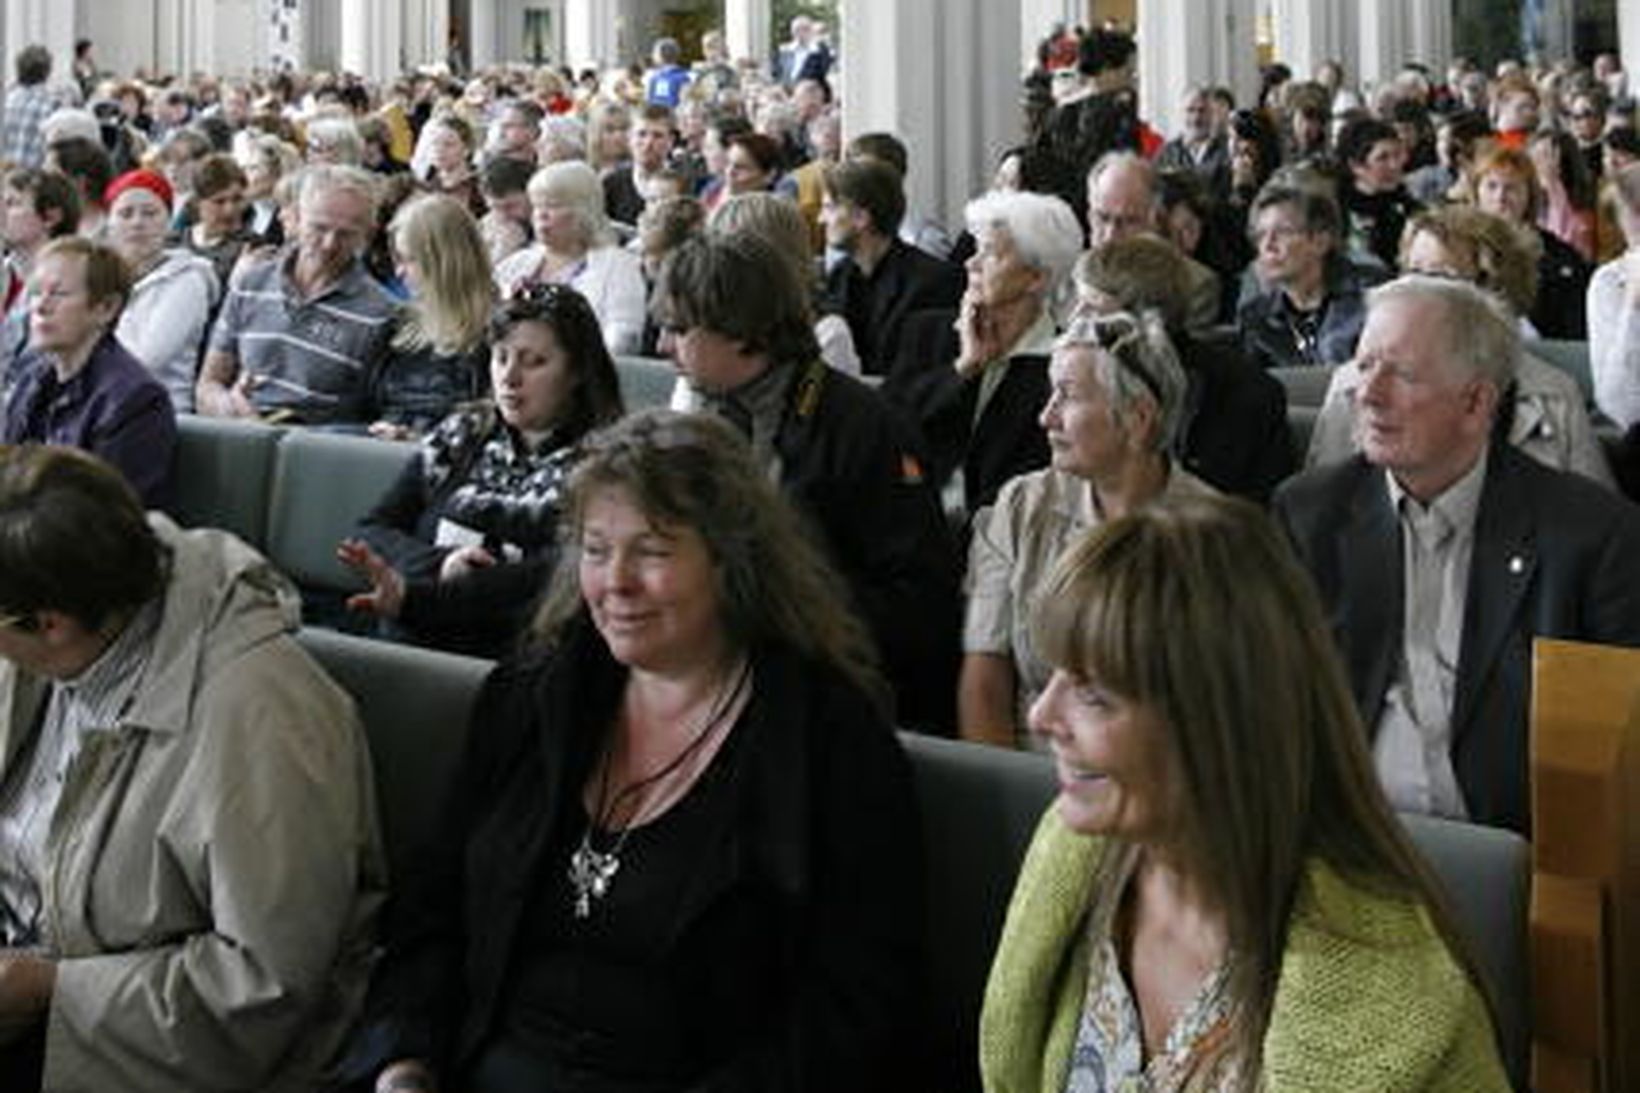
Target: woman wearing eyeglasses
[(682, 852), (458, 549), (1116, 395)]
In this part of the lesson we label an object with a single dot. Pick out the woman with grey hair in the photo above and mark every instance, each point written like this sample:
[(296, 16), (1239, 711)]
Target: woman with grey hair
[(976, 400), (1117, 394), (575, 246), (334, 139)]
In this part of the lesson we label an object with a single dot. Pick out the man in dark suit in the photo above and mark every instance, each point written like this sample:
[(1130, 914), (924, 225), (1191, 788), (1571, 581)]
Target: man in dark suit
[(882, 279), (1440, 555)]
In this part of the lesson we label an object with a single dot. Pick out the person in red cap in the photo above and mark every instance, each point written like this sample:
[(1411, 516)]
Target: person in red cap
[(173, 291)]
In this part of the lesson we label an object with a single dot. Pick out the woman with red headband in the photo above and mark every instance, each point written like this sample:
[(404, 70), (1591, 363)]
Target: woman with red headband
[(174, 291)]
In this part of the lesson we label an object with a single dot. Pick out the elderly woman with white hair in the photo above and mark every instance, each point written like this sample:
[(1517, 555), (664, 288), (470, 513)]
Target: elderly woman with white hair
[(575, 246), (977, 388), (1117, 395)]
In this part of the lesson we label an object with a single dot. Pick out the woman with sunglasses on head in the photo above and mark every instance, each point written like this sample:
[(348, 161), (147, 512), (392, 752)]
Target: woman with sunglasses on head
[(1220, 897), (1116, 396), (456, 552), (682, 851)]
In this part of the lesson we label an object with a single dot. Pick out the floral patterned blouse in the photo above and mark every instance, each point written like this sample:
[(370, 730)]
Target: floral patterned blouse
[(1109, 1052)]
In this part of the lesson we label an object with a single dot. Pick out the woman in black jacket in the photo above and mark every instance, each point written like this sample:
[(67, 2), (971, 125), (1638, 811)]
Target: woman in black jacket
[(682, 849)]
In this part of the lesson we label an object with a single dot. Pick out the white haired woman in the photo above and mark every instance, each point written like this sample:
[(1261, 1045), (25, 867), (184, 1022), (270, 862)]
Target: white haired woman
[(977, 400), (574, 246), (1117, 395)]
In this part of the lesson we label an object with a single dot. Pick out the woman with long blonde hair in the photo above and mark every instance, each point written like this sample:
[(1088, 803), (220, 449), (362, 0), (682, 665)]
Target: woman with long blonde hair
[(439, 354)]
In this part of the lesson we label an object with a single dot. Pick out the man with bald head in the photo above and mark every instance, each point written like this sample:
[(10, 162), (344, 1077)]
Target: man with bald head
[(1124, 200), (1440, 552)]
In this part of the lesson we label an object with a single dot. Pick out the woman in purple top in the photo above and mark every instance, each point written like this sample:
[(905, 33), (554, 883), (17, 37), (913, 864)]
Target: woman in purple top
[(77, 385)]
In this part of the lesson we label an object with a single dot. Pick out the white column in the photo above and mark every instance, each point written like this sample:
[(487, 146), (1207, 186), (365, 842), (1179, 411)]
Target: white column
[(233, 51), (169, 48), (1386, 39), (199, 35), (1308, 32), (482, 46), (591, 38), (426, 26), (1184, 42), (747, 29), (1430, 35), (929, 71), (372, 33), (49, 23), (121, 32), (1628, 41), (321, 35)]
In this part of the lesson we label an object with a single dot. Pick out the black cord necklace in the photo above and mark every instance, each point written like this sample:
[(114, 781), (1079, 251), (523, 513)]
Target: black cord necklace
[(592, 871)]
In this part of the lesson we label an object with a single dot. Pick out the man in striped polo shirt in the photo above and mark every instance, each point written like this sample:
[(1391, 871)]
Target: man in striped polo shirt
[(300, 339)]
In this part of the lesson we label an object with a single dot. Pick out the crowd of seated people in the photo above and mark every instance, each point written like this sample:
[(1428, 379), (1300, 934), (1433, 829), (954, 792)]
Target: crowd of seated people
[(948, 487)]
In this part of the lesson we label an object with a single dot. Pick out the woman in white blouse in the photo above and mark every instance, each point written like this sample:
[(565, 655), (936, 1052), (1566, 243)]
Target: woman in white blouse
[(1614, 312), (575, 246)]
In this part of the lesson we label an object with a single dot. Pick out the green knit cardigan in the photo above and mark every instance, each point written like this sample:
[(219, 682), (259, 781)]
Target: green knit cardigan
[(1369, 995)]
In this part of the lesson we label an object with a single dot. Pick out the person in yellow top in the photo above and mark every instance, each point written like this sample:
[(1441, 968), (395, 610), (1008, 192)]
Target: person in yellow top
[(1220, 897)]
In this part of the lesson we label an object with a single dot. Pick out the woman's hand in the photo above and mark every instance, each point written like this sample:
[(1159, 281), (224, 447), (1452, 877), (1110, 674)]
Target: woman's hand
[(388, 430), (406, 1076), (385, 598), (463, 560), (977, 333)]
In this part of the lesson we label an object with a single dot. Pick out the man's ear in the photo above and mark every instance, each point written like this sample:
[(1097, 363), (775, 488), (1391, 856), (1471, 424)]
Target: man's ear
[(1483, 399)]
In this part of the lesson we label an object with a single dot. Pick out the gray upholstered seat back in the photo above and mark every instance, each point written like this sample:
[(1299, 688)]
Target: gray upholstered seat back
[(224, 472), (323, 485), (415, 705)]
